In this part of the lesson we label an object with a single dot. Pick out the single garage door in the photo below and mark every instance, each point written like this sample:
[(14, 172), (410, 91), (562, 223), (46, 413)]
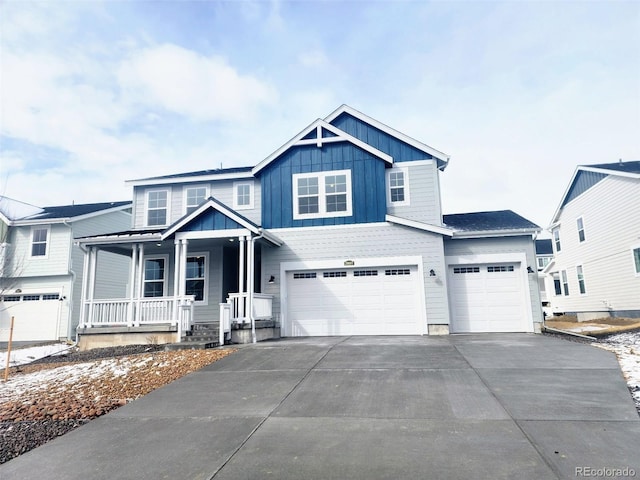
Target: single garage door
[(354, 301), (35, 317), (487, 298)]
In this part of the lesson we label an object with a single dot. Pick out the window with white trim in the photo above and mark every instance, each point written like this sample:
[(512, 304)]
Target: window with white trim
[(636, 260), (196, 276), (581, 284), (322, 194), (580, 225), (155, 276), (39, 241), (157, 207), (398, 186), (194, 197), (556, 239), (242, 195), (565, 283), (557, 286)]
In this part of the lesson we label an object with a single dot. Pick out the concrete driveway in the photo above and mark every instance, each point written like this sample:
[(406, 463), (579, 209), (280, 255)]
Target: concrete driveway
[(456, 407)]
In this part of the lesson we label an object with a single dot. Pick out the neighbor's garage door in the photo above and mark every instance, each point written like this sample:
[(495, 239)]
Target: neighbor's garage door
[(35, 317), (366, 301), (487, 298)]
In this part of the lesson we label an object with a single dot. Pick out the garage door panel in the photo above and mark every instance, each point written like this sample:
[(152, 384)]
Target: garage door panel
[(359, 302)]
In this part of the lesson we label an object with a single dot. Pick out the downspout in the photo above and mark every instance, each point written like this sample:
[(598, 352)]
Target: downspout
[(251, 282), (70, 332)]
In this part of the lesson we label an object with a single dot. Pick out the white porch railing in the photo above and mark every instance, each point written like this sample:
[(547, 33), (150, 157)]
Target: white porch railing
[(262, 306), (176, 311)]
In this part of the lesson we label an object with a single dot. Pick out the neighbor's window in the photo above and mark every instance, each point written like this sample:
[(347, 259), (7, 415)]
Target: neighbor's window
[(39, 237), (157, 202), (322, 194), (154, 277), (195, 276), (565, 282), (580, 224), (556, 283), (636, 260), (398, 186), (543, 262), (194, 198), (580, 274), (556, 239), (243, 195)]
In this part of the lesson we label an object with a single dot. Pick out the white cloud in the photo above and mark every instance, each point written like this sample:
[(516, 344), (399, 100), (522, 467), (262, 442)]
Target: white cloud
[(185, 82)]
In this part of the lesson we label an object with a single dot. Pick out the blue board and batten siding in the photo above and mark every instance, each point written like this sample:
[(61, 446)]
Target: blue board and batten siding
[(399, 150), (211, 220), (367, 181)]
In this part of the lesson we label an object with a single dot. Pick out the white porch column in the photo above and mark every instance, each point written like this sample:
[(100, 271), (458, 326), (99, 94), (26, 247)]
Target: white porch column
[(182, 287), (140, 284), (85, 285), (132, 284), (242, 301), (250, 282), (176, 276), (93, 265)]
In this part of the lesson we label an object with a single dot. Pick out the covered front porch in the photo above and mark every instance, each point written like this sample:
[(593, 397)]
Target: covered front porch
[(197, 281)]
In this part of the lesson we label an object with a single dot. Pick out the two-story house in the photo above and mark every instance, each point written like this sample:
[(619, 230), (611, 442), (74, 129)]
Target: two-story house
[(41, 268), (596, 243), (338, 232)]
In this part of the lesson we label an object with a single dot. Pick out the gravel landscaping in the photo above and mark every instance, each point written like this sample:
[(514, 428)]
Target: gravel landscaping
[(53, 395)]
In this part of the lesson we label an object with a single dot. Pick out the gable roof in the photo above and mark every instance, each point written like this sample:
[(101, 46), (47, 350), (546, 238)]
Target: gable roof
[(442, 158), (197, 176), (59, 213), (586, 176), (324, 133), (501, 222), (11, 209)]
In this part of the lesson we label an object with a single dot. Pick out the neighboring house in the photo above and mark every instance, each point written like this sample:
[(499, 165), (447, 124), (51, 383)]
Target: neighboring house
[(544, 255), (41, 269), (338, 232), (596, 242)]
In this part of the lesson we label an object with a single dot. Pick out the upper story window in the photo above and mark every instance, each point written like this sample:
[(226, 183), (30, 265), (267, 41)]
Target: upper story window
[(242, 195), (543, 262), (155, 276), (157, 207), (322, 194), (398, 186), (39, 241), (636, 260), (194, 196), (556, 239), (580, 224)]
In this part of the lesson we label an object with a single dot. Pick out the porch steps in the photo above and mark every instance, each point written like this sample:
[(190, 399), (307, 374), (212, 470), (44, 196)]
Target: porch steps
[(202, 335)]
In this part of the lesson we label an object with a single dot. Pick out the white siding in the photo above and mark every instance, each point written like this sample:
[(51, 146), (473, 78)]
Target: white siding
[(503, 245), (424, 192), (349, 242), (611, 214)]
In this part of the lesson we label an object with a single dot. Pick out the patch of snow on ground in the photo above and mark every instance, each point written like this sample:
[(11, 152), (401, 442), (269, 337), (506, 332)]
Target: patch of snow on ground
[(626, 346), (21, 356), (587, 328)]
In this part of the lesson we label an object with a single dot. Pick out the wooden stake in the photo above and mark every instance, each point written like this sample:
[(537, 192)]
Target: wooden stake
[(6, 368)]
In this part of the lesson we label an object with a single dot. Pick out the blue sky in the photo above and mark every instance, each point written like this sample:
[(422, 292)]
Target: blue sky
[(517, 93)]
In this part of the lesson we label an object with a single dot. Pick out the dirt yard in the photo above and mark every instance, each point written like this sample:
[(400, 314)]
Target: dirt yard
[(594, 328)]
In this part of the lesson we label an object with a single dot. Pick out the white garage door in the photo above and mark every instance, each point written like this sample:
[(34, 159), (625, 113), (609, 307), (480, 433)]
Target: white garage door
[(487, 298), (354, 301), (35, 317)]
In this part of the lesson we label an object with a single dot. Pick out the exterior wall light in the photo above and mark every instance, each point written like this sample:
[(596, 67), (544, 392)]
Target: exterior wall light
[(432, 273)]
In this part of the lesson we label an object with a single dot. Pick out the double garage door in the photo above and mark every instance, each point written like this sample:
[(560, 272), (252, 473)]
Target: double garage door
[(354, 301), (487, 298)]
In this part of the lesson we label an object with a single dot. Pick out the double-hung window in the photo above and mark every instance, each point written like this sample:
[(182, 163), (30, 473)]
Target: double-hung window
[(194, 196), (242, 195), (39, 241), (565, 282), (556, 239), (581, 284), (636, 260), (322, 194), (157, 207), (580, 225), (557, 288), (196, 276), (155, 275), (398, 186)]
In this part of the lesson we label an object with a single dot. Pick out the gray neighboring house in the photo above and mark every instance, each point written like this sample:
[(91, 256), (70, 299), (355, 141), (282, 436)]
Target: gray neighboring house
[(544, 255), (41, 269), (595, 232), (338, 232)]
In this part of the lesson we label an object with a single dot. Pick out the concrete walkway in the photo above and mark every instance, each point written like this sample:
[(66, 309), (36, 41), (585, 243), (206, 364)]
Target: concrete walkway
[(456, 407)]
